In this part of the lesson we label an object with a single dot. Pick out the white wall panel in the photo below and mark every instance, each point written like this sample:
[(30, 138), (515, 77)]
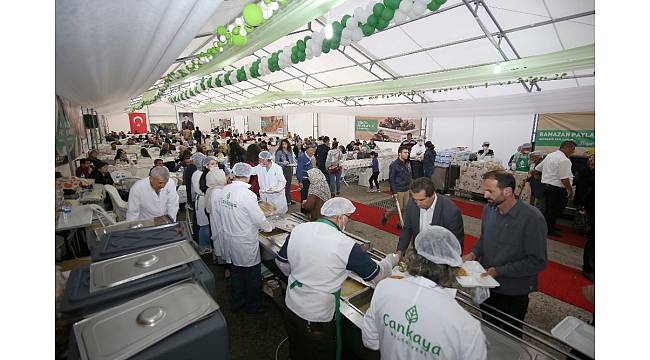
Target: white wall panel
[(255, 123), (336, 126), (301, 124), (119, 122)]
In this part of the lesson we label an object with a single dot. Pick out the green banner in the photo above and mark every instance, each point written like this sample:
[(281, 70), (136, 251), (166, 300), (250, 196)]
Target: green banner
[(553, 138), (366, 125), (64, 137)]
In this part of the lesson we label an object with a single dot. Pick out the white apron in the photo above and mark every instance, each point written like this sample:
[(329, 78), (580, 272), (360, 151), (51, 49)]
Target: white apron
[(272, 178)]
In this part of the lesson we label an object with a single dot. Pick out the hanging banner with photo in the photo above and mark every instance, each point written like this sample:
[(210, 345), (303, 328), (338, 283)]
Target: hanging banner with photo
[(138, 123), (273, 125), (225, 123), (552, 129), (187, 120), (165, 127), (390, 129)]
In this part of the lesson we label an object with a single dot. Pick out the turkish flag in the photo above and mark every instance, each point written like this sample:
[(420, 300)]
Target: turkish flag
[(138, 123)]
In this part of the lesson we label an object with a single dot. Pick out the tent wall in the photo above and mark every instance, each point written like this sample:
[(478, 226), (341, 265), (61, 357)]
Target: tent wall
[(336, 126), (120, 122), (301, 124), (255, 123), (505, 133), (238, 123)]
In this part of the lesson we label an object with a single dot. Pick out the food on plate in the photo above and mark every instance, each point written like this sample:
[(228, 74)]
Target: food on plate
[(350, 287), (397, 277), (401, 266), (462, 272), (267, 208)]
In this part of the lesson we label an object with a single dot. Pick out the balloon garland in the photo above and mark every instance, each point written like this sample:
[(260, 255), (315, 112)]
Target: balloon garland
[(235, 34), (364, 21)]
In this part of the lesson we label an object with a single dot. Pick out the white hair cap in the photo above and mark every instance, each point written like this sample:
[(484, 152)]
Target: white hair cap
[(337, 206), (242, 169), (438, 245), (265, 155)]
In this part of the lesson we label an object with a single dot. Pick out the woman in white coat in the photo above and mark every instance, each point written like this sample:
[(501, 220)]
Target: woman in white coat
[(272, 182), (202, 220), (418, 317), (240, 219), (215, 180)]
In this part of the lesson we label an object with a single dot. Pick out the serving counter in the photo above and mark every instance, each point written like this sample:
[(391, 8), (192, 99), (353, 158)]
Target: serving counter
[(356, 295)]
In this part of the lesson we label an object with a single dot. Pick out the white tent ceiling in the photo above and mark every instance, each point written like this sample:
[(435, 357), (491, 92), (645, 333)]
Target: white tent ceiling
[(105, 60)]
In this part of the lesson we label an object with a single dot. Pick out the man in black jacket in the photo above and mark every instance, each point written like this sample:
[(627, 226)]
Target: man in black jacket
[(321, 156), (399, 178), (425, 207)]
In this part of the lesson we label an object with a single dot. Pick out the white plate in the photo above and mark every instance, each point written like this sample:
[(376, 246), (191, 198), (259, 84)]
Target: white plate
[(271, 191), (475, 269), (576, 333)]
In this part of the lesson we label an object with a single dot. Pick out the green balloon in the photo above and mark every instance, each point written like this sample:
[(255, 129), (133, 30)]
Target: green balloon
[(307, 38), (226, 78), (344, 20), (267, 2), (392, 4), (367, 29), (440, 2), (388, 14), (337, 27), (326, 46), (221, 30), (239, 40), (294, 58), (378, 9), (335, 43), (253, 14), (372, 20), (235, 31), (433, 6), (228, 36), (282, 3), (300, 44), (302, 56), (382, 24)]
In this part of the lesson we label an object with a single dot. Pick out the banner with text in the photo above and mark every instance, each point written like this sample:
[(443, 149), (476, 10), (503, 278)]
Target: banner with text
[(552, 129), (392, 129)]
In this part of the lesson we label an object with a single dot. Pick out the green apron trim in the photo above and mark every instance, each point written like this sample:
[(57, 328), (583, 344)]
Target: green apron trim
[(337, 301), (522, 164)]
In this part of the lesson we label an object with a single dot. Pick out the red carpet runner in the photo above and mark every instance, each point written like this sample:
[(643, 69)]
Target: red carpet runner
[(558, 281)]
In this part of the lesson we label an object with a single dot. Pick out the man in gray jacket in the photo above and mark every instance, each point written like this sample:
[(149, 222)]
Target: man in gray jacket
[(512, 248), (426, 207)]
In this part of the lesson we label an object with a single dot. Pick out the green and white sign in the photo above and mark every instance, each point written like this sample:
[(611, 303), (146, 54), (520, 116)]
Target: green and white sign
[(583, 138), (369, 125)]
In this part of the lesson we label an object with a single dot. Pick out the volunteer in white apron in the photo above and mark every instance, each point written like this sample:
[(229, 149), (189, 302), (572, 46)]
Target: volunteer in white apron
[(153, 196), (215, 180), (418, 317), (318, 257), (240, 218), (202, 220), (270, 177)]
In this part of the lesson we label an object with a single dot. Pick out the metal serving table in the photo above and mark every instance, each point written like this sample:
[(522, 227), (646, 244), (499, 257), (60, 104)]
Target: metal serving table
[(356, 295)]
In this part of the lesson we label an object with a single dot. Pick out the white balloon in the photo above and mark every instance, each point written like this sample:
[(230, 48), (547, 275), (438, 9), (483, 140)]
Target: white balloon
[(275, 6), (346, 33), (318, 51), (419, 9), (239, 21), (358, 35), (346, 41), (400, 17), (405, 6), (368, 10), (359, 12), (423, 2), (233, 77)]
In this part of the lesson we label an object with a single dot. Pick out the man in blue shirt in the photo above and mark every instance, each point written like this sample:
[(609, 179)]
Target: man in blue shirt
[(306, 161)]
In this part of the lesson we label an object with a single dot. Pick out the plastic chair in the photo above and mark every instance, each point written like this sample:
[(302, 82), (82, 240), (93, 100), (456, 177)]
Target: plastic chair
[(145, 162), (182, 195), (119, 206), (128, 182)]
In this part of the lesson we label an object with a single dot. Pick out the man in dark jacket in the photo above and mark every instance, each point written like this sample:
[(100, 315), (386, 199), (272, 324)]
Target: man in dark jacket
[(399, 178), (425, 207), (512, 248), (198, 135), (321, 156)]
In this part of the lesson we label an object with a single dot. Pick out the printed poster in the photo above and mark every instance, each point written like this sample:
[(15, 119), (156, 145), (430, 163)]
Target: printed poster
[(187, 120), (552, 129), (138, 123), (273, 125), (388, 129)]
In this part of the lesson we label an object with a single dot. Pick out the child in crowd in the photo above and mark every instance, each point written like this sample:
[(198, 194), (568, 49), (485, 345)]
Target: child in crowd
[(375, 171)]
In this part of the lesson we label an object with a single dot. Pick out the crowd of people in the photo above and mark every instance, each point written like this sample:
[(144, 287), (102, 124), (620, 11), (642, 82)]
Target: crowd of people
[(227, 173)]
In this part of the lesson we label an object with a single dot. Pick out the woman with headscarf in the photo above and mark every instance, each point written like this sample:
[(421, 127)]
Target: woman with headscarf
[(319, 192), (202, 221), (195, 161), (215, 180)]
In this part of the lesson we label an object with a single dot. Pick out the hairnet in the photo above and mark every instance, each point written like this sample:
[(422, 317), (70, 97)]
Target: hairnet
[(206, 160), (337, 206), (242, 169), (537, 153), (438, 245), (197, 158), (486, 143), (526, 145), (265, 155)]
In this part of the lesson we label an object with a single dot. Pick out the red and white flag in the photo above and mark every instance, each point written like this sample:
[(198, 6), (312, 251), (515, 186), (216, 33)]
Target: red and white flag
[(138, 123)]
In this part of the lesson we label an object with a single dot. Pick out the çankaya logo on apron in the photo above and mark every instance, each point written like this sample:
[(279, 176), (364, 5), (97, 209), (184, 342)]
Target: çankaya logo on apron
[(227, 203), (416, 341)]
